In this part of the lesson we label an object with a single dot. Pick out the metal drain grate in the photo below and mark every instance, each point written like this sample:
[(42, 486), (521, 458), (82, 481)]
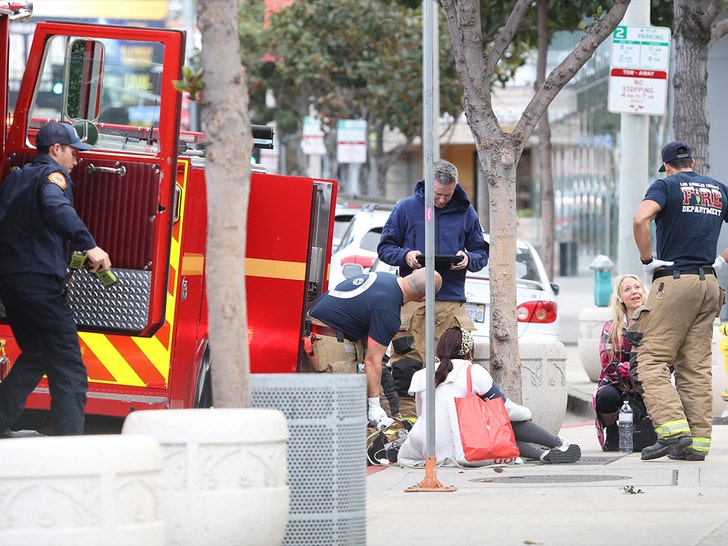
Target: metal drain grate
[(552, 478), (599, 460)]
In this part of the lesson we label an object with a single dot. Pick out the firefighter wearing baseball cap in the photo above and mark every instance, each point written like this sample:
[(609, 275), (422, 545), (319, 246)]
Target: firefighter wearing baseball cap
[(38, 227), (675, 325)]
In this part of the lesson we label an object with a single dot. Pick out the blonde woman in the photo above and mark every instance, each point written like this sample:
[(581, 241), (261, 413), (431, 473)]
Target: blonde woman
[(614, 353)]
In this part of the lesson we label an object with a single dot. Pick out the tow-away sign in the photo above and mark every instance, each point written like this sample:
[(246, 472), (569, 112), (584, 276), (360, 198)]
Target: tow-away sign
[(638, 72)]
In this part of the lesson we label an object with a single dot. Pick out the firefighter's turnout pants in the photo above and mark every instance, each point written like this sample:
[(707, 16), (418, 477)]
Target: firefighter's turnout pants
[(447, 315), (676, 327)]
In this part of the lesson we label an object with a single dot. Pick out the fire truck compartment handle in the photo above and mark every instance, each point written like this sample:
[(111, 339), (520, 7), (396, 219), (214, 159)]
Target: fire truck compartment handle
[(92, 169)]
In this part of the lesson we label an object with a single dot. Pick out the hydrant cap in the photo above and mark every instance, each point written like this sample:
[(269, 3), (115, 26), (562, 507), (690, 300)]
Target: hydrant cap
[(601, 263)]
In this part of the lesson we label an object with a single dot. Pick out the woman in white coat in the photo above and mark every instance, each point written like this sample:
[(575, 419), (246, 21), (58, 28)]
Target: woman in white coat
[(455, 353)]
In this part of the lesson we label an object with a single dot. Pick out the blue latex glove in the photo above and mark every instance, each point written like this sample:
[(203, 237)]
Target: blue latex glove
[(654, 265)]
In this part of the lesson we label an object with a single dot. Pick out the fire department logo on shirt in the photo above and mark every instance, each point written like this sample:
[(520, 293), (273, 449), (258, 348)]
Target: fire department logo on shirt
[(58, 179)]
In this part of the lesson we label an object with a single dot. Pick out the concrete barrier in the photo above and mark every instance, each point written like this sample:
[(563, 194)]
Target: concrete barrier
[(543, 380), (225, 473), (591, 322), (81, 490)]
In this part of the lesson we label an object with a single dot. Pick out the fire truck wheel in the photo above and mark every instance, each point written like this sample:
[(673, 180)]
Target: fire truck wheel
[(203, 388)]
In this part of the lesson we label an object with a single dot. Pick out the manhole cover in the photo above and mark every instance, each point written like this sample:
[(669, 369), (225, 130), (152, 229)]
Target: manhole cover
[(552, 478)]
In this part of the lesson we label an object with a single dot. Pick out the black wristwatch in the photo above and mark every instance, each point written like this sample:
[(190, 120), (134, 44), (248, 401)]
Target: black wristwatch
[(647, 261)]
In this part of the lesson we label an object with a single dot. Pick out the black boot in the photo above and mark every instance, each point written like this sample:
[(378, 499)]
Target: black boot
[(611, 438), (679, 454), (663, 446)]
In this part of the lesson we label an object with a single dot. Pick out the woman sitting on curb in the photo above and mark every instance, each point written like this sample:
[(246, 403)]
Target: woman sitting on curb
[(614, 354), (455, 353)]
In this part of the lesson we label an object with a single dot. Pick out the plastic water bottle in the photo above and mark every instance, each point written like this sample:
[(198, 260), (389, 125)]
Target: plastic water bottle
[(625, 427)]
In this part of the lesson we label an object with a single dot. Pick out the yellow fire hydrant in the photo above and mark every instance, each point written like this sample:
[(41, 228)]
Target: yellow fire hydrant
[(723, 346)]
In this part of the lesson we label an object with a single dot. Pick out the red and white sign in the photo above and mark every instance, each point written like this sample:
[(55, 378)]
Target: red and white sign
[(312, 141), (640, 59), (637, 91), (351, 143)]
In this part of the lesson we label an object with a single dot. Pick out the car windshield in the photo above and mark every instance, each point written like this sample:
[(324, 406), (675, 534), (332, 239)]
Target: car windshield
[(370, 241), (526, 268)]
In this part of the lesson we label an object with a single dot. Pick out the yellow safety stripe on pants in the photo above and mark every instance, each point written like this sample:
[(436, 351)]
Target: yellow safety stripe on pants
[(700, 445), (678, 427)]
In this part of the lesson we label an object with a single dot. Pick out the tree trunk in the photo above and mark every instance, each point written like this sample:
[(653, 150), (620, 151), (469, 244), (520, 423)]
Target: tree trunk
[(228, 144), (544, 148), (500, 176), (690, 120)]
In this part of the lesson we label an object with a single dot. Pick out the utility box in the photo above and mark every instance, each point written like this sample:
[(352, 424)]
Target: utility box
[(602, 267)]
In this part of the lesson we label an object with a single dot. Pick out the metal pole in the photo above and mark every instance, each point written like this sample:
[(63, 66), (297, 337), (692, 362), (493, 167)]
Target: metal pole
[(633, 174), (429, 144), (429, 138)]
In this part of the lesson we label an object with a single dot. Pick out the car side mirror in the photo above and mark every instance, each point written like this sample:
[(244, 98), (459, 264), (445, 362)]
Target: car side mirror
[(351, 270), (555, 287)]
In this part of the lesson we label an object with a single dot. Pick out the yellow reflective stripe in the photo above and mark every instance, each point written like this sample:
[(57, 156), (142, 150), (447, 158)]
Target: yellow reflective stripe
[(112, 360), (175, 257), (678, 427), (193, 264), (275, 269), (700, 445), (156, 352)]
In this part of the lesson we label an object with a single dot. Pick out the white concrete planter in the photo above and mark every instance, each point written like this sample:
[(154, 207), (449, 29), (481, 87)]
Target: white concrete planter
[(543, 380), (81, 490), (591, 322), (225, 475)]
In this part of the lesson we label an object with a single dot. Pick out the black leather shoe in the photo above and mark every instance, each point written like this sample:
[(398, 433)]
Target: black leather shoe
[(679, 454), (663, 446)]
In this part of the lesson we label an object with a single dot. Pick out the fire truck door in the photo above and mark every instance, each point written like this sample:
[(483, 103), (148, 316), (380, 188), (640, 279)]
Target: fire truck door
[(288, 249), (114, 84)]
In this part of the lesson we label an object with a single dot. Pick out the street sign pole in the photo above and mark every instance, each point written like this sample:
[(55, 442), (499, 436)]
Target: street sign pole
[(429, 141), (633, 173)]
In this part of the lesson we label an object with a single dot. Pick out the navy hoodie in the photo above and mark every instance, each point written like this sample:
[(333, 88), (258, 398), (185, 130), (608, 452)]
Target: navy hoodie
[(457, 227)]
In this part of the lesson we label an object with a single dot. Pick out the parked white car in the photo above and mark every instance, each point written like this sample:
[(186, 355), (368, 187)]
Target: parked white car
[(359, 242), (536, 298)]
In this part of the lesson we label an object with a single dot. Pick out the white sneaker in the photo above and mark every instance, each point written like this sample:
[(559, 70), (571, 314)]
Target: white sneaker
[(565, 453)]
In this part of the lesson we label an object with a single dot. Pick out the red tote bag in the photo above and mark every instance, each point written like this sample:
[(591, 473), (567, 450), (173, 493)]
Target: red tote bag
[(485, 428)]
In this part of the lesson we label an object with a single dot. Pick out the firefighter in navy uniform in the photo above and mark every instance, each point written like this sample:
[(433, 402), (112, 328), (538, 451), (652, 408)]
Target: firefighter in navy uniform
[(37, 224), (675, 325)]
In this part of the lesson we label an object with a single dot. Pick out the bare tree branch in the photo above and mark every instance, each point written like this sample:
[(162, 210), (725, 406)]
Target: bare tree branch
[(567, 69)]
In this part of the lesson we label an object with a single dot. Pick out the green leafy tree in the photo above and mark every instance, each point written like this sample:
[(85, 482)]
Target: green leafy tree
[(349, 60)]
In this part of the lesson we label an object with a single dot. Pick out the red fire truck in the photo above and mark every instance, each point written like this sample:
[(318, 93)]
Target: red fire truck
[(141, 192)]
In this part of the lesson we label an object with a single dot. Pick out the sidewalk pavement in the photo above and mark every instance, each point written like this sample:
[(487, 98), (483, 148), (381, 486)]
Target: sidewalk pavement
[(605, 498)]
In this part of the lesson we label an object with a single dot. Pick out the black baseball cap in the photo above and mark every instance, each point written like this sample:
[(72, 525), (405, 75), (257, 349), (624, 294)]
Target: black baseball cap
[(59, 133), (674, 150)]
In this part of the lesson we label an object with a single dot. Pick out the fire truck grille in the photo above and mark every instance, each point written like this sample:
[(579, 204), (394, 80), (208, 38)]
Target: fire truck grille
[(121, 307)]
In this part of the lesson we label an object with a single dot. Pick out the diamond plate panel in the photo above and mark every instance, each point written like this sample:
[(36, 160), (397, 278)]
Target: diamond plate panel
[(122, 307)]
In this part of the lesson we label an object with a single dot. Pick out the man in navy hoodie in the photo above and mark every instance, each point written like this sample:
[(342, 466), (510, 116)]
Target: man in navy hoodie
[(457, 233)]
